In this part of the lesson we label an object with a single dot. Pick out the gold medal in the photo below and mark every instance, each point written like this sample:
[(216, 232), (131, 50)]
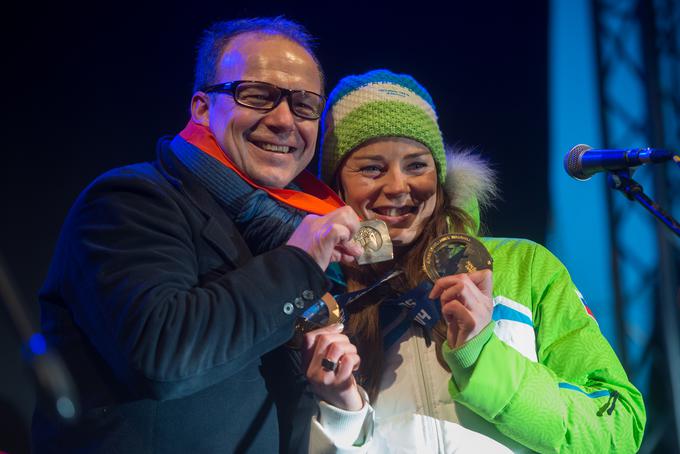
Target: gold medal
[(374, 237), (455, 253), (323, 312)]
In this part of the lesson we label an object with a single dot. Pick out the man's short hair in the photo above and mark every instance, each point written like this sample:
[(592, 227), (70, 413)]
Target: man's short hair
[(218, 36)]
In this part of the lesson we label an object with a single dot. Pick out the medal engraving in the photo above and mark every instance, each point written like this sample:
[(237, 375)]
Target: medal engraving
[(455, 253), (374, 237)]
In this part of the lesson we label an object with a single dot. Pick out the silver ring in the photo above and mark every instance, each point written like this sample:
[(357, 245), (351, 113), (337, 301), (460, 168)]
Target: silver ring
[(328, 365)]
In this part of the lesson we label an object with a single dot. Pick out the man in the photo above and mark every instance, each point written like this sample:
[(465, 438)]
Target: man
[(156, 297)]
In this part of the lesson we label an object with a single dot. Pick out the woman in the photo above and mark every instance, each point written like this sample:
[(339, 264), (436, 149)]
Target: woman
[(514, 364)]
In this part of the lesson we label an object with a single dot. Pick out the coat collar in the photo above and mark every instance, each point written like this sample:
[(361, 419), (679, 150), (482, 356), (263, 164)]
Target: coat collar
[(470, 182)]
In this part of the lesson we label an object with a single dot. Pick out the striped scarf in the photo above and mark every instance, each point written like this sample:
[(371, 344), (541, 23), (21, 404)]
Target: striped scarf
[(265, 217)]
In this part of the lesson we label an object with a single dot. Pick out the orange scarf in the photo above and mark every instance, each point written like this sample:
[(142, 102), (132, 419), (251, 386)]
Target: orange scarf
[(317, 198)]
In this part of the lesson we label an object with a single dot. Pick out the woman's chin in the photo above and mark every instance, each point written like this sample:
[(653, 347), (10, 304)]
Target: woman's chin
[(402, 239)]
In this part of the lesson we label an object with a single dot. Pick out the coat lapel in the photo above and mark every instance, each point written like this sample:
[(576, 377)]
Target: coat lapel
[(219, 230)]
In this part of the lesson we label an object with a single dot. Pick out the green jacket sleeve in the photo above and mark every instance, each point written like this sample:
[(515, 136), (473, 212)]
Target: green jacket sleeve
[(576, 398)]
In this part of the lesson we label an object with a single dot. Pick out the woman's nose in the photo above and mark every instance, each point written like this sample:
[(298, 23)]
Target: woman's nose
[(395, 183)]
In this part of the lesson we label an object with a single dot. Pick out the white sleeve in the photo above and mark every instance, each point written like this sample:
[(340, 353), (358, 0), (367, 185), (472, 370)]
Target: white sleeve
[(335, 430)]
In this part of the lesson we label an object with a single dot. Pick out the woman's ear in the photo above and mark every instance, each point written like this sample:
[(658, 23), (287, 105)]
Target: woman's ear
[(337, 185)]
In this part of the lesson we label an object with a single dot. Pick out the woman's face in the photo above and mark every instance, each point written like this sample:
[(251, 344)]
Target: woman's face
[(394, 180)]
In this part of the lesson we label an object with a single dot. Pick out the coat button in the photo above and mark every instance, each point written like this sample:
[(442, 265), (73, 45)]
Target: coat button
[(288, 309), (299, 303), (308, 295)]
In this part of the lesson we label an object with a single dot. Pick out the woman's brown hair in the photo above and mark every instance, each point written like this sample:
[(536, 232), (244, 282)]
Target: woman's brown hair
[(363, 326)]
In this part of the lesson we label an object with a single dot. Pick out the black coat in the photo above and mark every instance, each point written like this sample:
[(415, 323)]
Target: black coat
[(172, 329)]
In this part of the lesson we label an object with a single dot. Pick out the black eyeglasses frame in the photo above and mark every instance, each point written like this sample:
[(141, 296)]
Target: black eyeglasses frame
[(230, 88)]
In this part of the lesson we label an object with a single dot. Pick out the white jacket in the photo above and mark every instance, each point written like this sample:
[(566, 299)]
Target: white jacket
[(414, 412)]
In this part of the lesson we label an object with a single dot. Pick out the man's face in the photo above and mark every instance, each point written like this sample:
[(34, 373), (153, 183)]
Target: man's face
[(272, 147)]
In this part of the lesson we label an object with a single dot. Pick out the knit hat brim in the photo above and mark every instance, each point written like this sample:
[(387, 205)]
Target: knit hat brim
[(339, 142), (374, 105)]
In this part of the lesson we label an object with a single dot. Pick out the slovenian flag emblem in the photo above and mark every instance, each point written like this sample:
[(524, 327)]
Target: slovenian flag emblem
[(585, 306)]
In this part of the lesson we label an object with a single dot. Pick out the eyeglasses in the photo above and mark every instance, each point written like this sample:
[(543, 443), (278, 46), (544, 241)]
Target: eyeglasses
[(265, 96)]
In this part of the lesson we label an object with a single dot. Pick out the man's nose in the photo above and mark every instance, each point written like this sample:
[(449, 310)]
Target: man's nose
[(280, 118)]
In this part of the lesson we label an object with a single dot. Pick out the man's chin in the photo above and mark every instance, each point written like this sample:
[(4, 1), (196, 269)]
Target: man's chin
[(274, 171), (273, 180)]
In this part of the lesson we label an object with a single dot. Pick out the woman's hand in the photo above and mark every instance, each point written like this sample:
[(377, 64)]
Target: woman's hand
[(466, 304), (327, 347)]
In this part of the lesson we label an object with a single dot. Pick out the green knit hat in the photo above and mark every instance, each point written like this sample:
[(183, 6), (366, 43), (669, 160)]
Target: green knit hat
[(378, 104)]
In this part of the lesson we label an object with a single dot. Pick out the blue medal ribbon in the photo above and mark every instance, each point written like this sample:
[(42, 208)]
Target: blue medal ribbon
[(412, 306), (399, 311)]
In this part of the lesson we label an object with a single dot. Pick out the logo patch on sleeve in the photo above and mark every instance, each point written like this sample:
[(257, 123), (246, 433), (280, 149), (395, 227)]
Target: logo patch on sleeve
[(585, 306)]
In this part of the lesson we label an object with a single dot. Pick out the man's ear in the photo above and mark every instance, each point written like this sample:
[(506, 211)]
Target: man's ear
[(200, 108)]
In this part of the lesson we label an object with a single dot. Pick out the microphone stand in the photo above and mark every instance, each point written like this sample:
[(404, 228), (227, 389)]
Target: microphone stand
[(623, 181), (52, 376)]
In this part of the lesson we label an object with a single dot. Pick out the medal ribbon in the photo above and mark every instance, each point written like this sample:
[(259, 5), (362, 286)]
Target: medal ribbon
[(399, 311), (416, 307)]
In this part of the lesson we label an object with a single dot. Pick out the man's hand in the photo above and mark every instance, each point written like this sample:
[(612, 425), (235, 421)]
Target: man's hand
[(328, 238), (466, 303), (326, 347)]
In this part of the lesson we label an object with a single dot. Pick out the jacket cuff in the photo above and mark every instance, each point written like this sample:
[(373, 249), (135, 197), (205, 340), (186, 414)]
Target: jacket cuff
[(471, 386), (318, 282), (343, 426), (467, 354)]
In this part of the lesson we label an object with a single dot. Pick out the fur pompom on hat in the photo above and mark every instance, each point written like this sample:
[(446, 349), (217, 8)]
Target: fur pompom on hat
[(378, 104)]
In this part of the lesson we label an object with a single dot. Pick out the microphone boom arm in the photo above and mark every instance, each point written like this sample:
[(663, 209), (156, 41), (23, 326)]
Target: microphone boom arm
[(623, 181)]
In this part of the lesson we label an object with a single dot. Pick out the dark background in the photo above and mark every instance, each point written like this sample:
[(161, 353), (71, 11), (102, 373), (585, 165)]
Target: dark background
[(94, 86)]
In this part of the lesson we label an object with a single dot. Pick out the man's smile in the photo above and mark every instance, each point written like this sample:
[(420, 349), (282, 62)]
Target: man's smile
[(274, 147)]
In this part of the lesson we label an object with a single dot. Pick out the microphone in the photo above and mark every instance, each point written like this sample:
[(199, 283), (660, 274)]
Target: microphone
[(582, 162)]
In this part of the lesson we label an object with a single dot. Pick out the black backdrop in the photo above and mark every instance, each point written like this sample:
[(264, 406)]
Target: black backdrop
[(93, 86)]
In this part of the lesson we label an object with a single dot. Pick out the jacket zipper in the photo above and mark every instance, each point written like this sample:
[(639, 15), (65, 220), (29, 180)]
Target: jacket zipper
[(426, 388)]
